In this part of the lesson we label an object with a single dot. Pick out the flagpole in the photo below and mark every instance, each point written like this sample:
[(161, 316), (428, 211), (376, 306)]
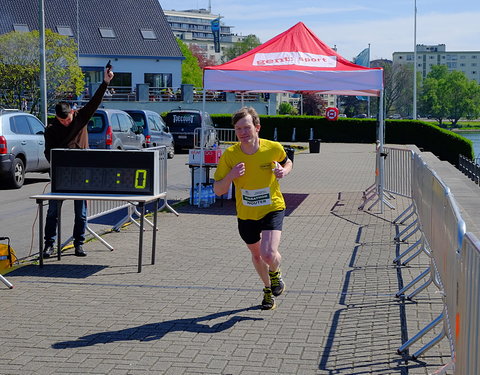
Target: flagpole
[(414, 114), (368, 98)]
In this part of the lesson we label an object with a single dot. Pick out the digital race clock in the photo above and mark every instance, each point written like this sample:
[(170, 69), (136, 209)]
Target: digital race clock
[(105, 171)]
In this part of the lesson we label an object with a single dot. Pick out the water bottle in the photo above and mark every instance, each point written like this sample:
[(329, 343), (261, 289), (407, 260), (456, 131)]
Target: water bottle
[(195, 195), (204, 196), (212, 195)]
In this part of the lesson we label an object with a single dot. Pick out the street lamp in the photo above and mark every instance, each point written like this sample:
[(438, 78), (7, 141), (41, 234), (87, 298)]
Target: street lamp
[(43, 74)]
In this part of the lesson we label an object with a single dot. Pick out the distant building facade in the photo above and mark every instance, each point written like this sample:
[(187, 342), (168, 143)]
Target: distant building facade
[(137, 39), (428, 56), (194, 27)]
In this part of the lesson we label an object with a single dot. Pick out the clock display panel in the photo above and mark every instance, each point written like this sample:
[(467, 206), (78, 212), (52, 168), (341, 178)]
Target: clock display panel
[(104, 172)]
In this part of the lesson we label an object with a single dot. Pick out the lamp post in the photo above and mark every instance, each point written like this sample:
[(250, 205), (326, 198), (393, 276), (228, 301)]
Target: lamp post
[(43, 74), (414, 114)]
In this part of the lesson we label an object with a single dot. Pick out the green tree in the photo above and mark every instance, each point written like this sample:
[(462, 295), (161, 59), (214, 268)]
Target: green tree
[(191, 72), (449, 95), (286, 108), (20, 68), (239, 48)]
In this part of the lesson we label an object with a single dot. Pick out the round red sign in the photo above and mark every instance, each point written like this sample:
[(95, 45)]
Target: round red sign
[(331, 113)]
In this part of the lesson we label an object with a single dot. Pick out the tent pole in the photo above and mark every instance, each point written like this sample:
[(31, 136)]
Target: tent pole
[(381, 122), (202, 141)]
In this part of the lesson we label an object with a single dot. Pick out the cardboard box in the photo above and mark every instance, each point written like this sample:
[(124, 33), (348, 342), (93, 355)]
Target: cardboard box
[(209, 156), (212, 156)]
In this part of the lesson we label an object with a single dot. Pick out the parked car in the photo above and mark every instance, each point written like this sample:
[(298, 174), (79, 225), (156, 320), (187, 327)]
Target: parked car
[(182, 124), (395, 116), (22, 147), (155, 131), (114, 129)]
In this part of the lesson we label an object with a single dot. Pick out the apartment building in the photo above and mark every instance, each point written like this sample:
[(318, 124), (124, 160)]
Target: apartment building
[(194, 27), (428, 56)]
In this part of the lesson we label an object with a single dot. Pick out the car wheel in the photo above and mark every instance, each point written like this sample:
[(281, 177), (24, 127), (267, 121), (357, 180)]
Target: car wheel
[(17, 174)]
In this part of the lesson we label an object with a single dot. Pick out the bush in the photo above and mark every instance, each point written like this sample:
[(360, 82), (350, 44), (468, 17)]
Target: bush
[(443, 143)]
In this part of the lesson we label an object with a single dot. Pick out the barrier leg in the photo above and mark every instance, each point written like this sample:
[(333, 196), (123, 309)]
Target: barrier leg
[(168, 207), (420, 288), (413, 256), (404, 213), (410, 226), (412, 283), (429, 345), (411, 247), (109, 247), (420, 334), (6, 282)]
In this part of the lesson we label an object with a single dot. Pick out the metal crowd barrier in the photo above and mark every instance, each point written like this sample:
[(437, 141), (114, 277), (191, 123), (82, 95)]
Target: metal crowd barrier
[(98, 209), (467, 327), (226, 135), (454, 256), (396, 176), (398, 171), (469, 168)]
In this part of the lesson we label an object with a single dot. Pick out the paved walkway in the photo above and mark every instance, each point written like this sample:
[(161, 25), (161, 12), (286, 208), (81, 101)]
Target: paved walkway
[(196, 310)]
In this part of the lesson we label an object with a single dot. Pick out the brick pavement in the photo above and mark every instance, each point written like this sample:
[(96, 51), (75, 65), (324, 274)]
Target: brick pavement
[(196, 310)]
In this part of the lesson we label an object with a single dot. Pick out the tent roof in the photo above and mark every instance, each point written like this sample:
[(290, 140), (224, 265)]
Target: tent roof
[(295, 60)]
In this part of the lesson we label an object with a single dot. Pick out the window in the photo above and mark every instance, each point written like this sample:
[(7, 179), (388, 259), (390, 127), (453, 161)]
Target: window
[(148, 34), (35, 125), (21, 28), (19, 125), (158, 79), (122, 80), (474, 64), (65, 30), (106, 32)]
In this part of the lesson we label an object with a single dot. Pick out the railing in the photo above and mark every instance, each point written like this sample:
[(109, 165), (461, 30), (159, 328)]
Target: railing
[(398, 171), (225, 135), (454, 265), (467, 331), (470, 168)]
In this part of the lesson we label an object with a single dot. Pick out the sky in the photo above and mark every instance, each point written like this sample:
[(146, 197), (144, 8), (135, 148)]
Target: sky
[(351, 25)]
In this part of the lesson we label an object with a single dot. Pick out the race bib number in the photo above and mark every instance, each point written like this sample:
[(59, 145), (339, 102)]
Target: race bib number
[(255, 198)]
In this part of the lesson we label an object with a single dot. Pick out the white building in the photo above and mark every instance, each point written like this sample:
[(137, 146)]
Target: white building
[(194, 27), (428, 56)]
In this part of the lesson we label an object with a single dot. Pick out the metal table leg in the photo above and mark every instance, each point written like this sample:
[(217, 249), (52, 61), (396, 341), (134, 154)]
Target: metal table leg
[(40, 231), (140, 244)]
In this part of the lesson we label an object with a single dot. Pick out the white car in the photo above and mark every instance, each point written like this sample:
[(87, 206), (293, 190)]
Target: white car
[(22, 147)]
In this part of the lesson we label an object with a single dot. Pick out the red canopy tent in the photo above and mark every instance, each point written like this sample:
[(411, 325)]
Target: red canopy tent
[(297, 61)]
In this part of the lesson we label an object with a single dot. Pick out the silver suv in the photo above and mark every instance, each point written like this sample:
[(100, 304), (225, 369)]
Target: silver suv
[(21, 147), (114, 129)]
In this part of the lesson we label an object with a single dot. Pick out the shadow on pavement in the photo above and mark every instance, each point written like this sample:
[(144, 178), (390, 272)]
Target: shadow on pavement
[(68, 271), (156, 331)]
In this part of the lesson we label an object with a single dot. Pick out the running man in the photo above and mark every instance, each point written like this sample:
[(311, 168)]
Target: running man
[(254, 165)]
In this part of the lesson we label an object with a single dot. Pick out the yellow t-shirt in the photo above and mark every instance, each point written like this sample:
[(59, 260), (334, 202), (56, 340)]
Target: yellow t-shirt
[(257, 192)]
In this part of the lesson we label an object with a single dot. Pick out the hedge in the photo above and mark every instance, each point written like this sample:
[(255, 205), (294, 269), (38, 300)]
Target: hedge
[(445, 144)]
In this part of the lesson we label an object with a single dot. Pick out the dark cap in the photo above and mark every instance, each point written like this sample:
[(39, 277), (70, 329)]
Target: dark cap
[(63, 109)]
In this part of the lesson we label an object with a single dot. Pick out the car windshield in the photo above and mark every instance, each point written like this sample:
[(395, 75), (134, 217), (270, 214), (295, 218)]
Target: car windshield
[(139, 119), (96, 124), (183, 119)]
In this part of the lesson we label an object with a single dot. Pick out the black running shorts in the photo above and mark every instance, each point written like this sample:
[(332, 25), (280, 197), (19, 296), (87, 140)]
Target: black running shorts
[(250, 229)]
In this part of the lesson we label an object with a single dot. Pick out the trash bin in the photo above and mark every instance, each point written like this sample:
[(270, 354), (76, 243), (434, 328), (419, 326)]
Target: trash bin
[(290, 152), (314, 146)]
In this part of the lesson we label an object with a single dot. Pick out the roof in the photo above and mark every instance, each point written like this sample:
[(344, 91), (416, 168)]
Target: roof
[(295, 60), (124, 17)]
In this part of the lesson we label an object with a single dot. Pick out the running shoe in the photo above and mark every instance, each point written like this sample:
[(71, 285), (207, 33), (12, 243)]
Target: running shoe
[(276, 282), (268, 302)]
